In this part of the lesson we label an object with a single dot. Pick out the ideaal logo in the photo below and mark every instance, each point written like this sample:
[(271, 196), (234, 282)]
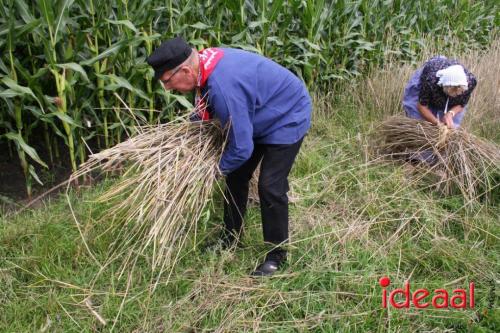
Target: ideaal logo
[(423, 298)]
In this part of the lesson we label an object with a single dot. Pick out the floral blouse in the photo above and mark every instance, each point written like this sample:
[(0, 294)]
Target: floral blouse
[(432, 95)]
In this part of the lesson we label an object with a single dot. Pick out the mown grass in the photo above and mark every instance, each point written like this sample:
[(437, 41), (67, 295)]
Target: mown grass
[(354, 221)]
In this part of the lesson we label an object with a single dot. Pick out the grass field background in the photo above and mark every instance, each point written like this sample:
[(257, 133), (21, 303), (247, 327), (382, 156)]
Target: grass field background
[(352, 222), (67, 68)]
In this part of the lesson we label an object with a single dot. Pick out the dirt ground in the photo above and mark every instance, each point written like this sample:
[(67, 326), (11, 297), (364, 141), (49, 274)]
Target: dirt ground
[(13, 183)]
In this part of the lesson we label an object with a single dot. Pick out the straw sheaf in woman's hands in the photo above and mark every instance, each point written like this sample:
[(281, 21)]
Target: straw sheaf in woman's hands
[(471, 164)]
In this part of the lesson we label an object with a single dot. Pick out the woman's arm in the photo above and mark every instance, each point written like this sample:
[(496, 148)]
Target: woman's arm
[(427, 114)]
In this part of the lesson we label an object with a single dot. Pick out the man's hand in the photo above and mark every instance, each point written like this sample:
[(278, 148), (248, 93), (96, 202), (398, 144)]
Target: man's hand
[(219, 175), (194, 116)]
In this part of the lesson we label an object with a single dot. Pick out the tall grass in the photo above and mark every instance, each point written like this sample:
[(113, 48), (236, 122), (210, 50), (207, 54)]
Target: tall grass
[(62, 61), (380, 94)]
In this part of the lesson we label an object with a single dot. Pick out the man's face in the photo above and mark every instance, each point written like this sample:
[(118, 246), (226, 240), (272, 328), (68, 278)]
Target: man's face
[(182, 79)]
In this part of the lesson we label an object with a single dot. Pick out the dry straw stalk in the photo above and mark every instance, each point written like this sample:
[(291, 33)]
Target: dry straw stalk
[(463, 161), (168, 176)]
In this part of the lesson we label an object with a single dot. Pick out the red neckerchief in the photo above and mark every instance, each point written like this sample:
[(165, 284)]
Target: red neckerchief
[(208, 60)]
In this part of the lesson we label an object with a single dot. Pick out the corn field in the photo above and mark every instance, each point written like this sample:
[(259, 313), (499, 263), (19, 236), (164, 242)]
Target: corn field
[(69, 67)]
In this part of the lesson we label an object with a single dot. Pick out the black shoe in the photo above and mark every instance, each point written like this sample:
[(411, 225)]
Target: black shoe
[(274, 261)]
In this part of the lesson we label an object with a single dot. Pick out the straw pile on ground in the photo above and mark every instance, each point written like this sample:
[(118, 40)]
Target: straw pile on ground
[(463, 161), (168, 176)]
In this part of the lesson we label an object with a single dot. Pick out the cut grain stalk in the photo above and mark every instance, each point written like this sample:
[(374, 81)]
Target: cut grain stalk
[(169, 174), (460, 159)]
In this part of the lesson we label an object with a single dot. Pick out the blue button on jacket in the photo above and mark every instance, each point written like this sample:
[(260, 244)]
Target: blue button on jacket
[(264, 102)]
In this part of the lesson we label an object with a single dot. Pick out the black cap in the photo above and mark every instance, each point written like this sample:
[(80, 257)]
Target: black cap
[(169, 55)]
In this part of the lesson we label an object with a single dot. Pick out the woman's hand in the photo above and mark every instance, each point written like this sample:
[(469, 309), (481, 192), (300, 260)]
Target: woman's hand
[(448, 120)]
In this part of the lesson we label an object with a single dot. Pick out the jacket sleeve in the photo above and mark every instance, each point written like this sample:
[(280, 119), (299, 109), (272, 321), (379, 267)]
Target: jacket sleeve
[(233, 109)]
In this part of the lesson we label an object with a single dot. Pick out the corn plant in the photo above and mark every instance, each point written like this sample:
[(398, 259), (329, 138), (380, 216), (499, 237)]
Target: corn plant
[(69, 67)]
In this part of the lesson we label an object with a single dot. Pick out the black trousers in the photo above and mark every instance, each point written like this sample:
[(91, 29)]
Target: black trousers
[(277, 160)]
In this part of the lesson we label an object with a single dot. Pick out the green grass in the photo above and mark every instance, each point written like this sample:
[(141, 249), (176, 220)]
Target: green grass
[(353, 223)]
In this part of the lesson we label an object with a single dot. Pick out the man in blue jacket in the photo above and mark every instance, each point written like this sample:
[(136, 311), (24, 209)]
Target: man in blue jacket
[(269, 112)]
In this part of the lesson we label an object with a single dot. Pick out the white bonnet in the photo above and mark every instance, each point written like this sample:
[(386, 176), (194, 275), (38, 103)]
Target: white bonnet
[(452, 76)]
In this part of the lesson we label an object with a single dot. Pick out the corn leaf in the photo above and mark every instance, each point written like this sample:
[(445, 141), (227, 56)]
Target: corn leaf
[(75, 67), (126, 23), (61, 20), (33, 174), (19, 90), (16, 137), (113, 49), (121, 82)]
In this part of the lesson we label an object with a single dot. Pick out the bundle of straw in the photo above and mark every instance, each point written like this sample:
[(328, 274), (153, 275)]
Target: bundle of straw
[(462, 160), (168, 176)]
